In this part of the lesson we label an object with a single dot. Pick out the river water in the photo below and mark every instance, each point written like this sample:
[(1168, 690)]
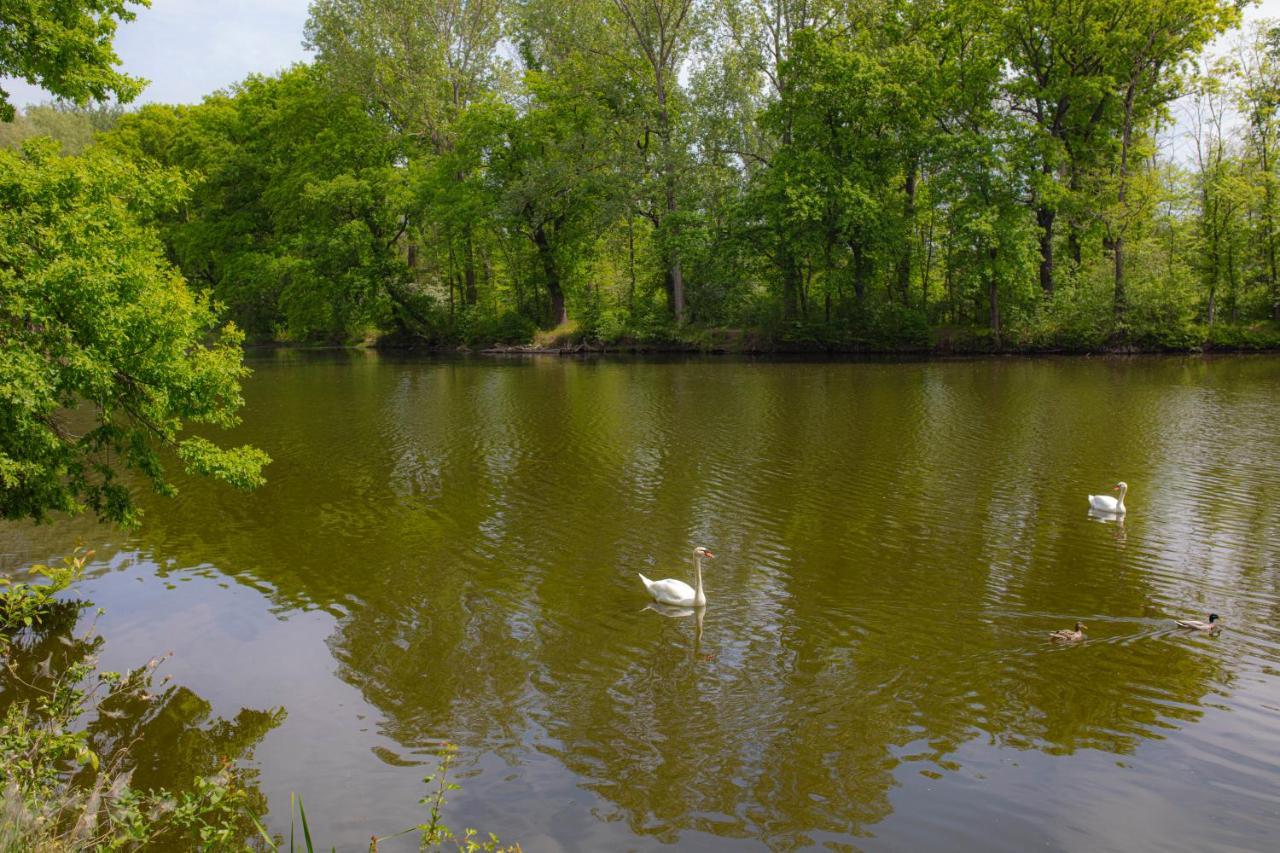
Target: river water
[(447, 551)]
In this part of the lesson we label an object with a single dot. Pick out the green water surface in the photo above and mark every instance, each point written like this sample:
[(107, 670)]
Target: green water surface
[(447, 552)]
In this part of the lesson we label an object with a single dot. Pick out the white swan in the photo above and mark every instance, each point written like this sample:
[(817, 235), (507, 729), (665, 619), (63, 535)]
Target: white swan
[(1106, 503), (678, 593)]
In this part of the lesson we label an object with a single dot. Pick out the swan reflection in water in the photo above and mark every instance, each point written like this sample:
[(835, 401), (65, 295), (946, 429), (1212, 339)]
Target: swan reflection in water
[(1103, 517), (673, 612)]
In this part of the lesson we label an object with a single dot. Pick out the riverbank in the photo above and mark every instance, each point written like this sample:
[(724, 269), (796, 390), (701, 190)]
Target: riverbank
[(817, 339)]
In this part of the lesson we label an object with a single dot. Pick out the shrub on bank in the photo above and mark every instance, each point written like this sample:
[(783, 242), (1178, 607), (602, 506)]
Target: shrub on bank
[(69, 732), (57, 791), (1254, 336)]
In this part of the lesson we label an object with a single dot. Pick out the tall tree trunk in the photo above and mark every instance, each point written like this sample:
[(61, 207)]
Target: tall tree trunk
[(909, 218), (1045, 217), (1215, 265), (926, 262), (453, 273), (859, 272), (675, 275), (1273, 279), (949, 286), (470, 296), (993, 296), (1121, 298), (631, 264), (675, 288), (487, 268), (1232, 292), (551, 275)]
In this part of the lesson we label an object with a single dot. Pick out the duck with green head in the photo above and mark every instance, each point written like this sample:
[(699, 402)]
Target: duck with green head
[(1196, 625)]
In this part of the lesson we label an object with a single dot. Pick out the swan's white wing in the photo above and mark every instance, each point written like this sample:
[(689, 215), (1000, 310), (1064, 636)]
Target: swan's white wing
[(671, 591), (1106, 503)]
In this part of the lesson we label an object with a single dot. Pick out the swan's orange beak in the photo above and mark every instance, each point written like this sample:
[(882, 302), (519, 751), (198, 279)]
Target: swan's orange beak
[(708, 555), (1115, 488)]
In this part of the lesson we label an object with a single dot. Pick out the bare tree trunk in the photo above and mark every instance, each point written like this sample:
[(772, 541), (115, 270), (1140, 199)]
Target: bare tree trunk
[(1121, 300), (675, 275), (926, 263), (1045, 217), (859, 273), (993, 297), (677, 290), (1268, 209), (909, 217), (551, 274), (804, 294), (631, 263), (469, 271), (1232, 292)]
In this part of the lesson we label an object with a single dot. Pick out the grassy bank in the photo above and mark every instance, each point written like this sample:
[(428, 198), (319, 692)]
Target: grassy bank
[(830, 338)]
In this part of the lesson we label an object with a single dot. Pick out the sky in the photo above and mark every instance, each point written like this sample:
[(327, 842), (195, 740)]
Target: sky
[(189, 48)]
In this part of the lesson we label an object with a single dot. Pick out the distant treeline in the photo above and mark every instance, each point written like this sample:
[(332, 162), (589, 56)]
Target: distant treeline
[(879, 174)]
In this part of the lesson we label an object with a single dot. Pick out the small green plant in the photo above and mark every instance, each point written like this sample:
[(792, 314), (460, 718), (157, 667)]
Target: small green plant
[(57, 793), (433, 834), (28, 606)]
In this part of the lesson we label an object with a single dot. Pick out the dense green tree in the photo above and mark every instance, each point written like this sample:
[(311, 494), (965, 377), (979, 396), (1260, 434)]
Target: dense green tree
[(870, 173), (293, 222), (65, 46), (1223, 193), (1147, 49), (556, 181), (419, 65), (1257, 73), (106, 355)]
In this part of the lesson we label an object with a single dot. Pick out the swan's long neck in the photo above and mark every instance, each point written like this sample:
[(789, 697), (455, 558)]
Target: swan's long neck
[(699, 598), (1123, 489)]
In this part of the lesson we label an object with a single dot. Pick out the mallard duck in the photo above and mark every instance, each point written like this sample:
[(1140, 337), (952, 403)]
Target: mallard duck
[(1067, 636), (1197, 625)]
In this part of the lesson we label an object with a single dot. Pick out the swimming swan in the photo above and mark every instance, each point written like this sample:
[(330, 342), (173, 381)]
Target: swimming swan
[(678, 593), (1106, 503)]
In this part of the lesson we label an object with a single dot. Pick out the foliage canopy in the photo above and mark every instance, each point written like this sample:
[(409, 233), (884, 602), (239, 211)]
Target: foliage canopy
[(106, 354)]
